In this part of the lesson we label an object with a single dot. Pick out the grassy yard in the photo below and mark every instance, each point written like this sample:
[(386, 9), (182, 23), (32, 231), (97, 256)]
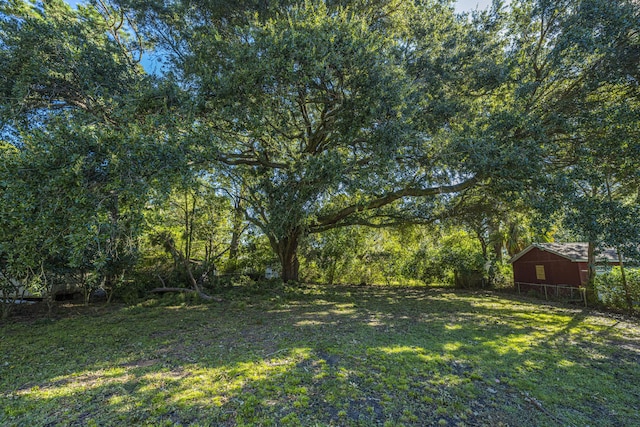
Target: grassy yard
[(356, 356)]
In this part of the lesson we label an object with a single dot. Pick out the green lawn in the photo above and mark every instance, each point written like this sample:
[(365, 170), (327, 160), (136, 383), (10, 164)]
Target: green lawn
[(323, 356)]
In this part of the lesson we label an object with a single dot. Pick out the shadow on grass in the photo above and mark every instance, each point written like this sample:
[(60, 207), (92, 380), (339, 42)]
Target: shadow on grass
[(325, 356)]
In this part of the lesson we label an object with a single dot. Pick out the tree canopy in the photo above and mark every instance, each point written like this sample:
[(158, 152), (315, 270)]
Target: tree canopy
[(317, 115)]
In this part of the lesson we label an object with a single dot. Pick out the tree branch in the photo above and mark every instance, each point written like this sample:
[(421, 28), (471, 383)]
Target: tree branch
[(328, 221), (240, 159)]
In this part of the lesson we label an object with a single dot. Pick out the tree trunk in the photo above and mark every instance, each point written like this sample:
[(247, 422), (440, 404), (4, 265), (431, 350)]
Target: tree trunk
[(591, 274), (488, 264), (189, 213), (287, 250), (625, 285), (483, 245), (495, 238), (332, 271), (497, 251), (179, 257), (238, 216)]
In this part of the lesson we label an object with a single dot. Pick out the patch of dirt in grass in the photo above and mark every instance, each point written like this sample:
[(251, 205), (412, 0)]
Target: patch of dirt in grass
[(141, 363), (331, 359)]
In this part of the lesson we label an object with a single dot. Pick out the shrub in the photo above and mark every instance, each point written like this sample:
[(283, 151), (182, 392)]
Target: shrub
[(610, 289), (502, 275), (461, 254)]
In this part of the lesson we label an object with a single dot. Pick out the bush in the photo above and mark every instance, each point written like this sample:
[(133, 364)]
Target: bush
[(610, 290), (461, 254), (130, 292), (502, 275)]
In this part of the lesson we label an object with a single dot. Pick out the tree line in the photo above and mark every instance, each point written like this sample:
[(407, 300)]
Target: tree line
[(283, 128)]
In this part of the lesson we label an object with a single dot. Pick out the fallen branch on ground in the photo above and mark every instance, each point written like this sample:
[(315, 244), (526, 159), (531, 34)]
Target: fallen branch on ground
[(186, 291)]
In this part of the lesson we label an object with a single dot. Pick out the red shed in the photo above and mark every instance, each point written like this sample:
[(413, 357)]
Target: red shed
[(556, 263)]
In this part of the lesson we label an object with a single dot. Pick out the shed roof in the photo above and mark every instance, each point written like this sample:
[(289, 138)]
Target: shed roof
[(576, 252)]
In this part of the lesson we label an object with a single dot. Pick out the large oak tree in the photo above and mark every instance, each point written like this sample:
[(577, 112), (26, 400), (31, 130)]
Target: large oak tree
[(331, 114)]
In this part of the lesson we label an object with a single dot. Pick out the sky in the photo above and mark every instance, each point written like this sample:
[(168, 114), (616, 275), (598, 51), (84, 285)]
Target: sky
[(469, 5)]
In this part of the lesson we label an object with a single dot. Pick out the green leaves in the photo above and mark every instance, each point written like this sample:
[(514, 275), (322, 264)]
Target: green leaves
[(326, 114), (57, 59), (611, 288), (303, 106), (76, 180)]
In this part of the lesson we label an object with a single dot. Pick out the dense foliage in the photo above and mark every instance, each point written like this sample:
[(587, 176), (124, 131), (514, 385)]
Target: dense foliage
[(379, 141), (611, 289)]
